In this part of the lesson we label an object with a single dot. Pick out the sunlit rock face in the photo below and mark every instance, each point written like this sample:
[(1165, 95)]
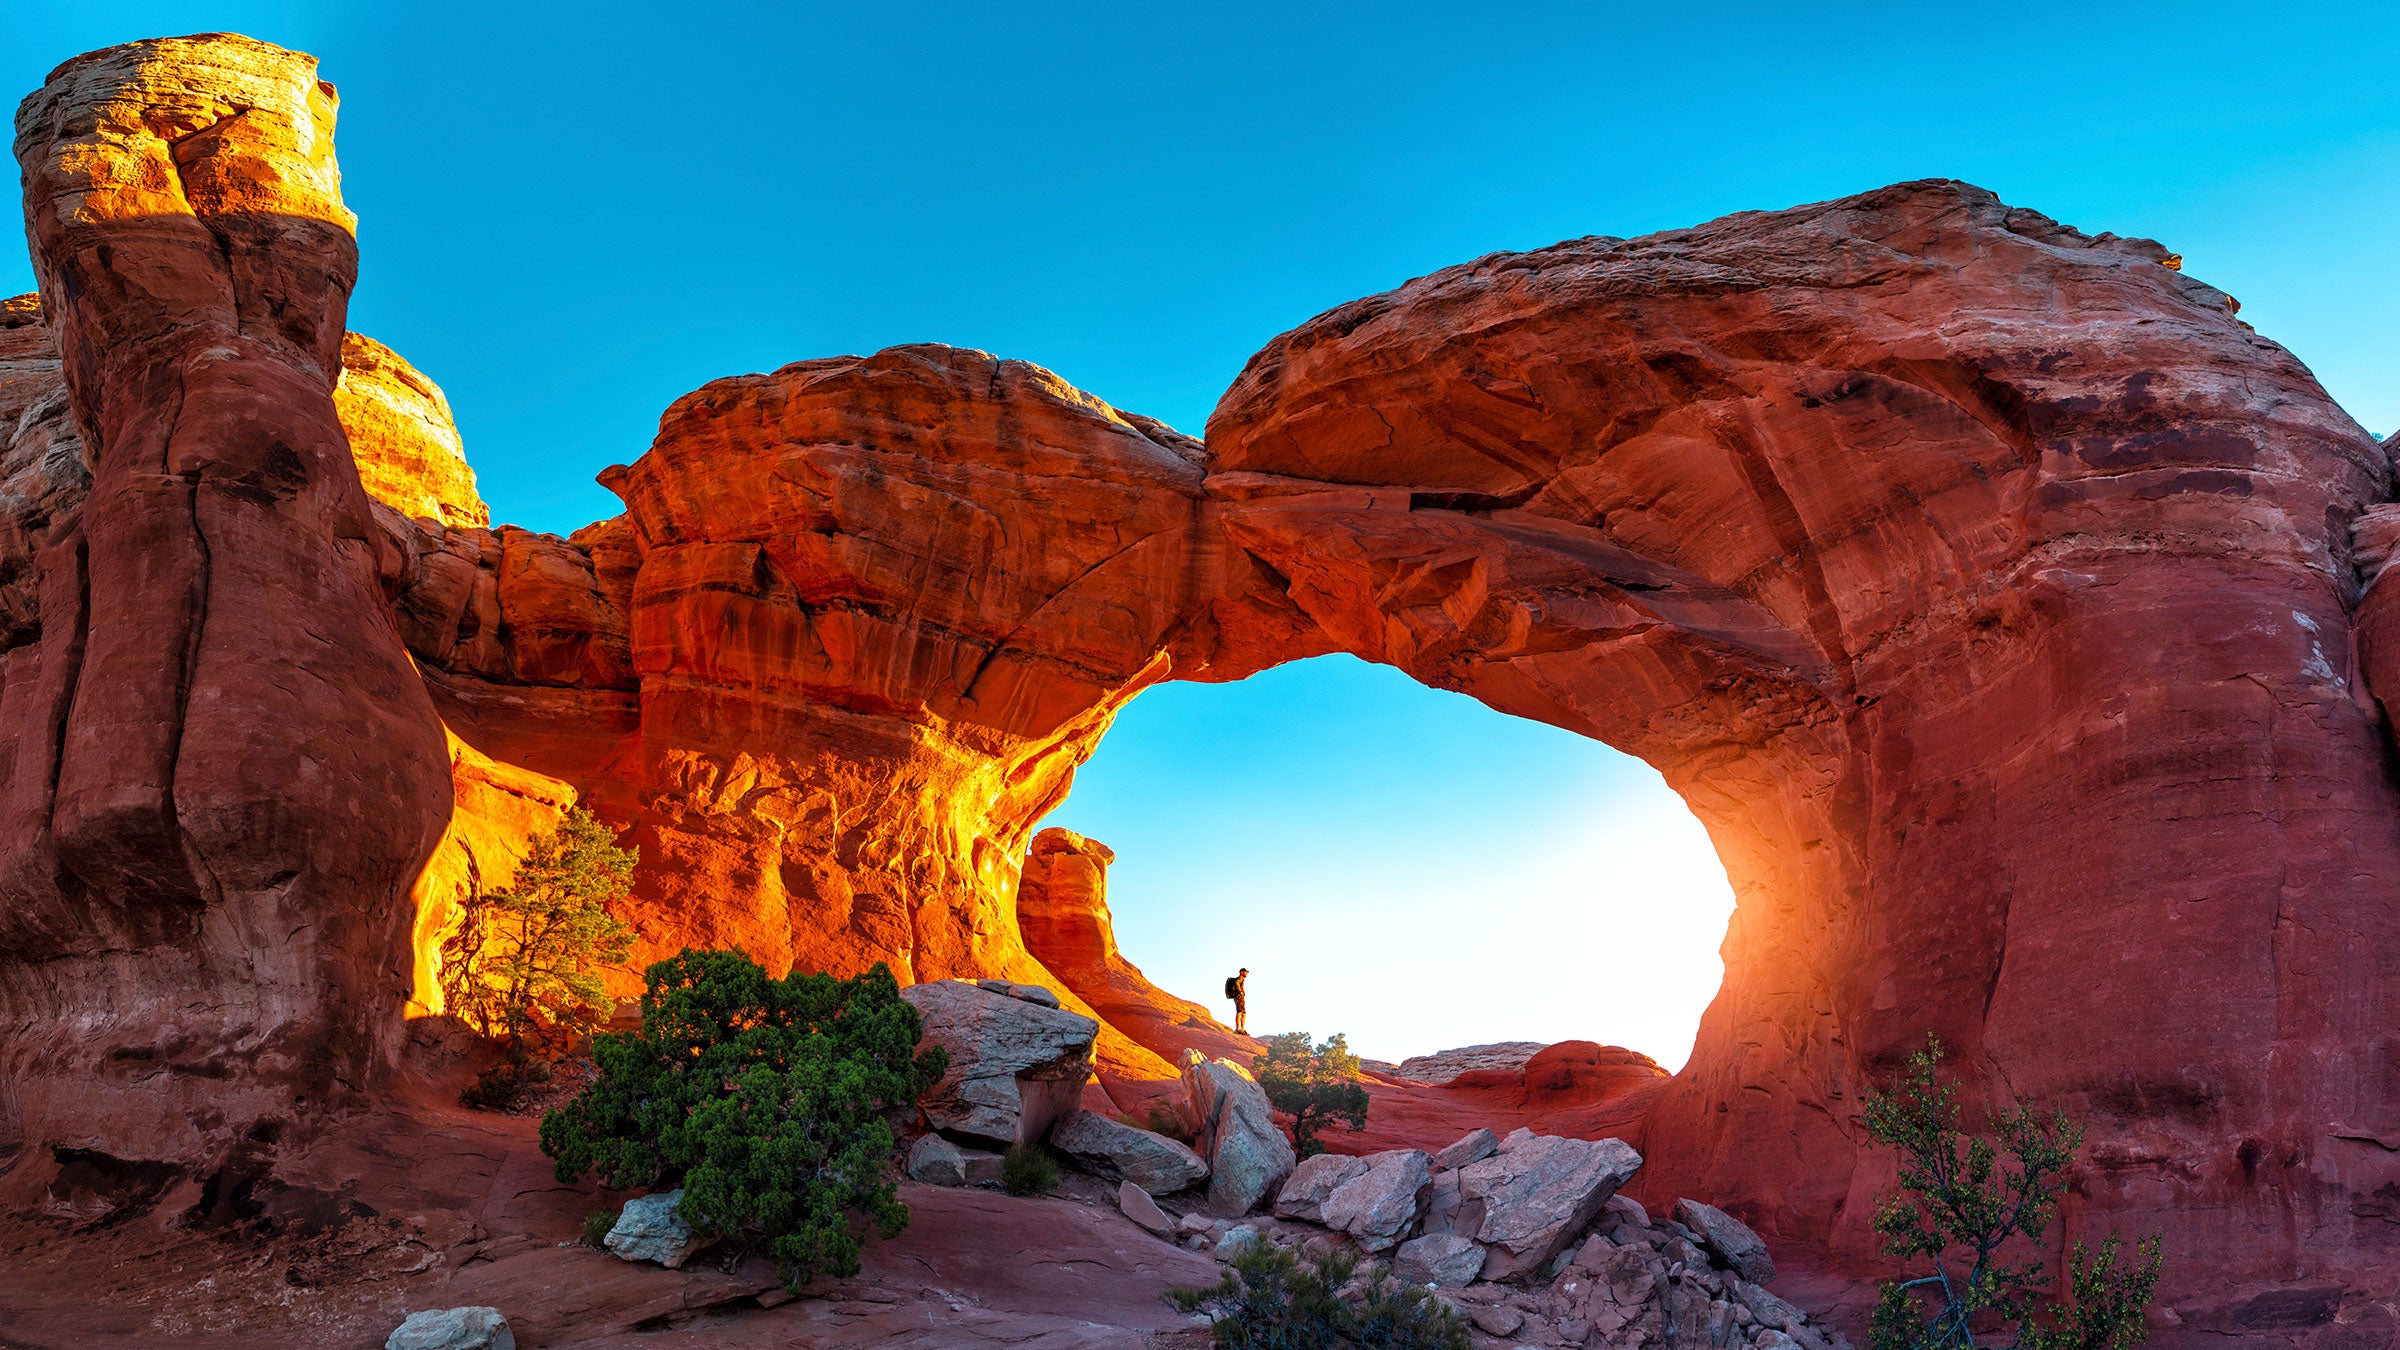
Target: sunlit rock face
[(222, 774), (1062, 909), (1986, 588), (402, 436)]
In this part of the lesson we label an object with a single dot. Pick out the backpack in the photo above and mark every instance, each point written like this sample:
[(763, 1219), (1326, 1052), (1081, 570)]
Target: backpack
[(1233, 986)]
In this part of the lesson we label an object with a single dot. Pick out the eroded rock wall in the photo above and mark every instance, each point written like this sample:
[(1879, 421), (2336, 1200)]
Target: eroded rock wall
[(222, 773)]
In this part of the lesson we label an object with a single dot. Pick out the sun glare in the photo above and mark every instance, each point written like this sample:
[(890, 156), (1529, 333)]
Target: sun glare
[(1402, 864)]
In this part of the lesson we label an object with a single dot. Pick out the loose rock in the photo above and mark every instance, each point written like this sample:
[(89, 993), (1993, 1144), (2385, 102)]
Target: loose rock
[(1119, 1152), (1135, 1204), (1016, 1066), (453, 1329), (1303, 1194), (1539, 1193), (1443, 1260), (1237, 1239), (650, 1230), (1381, 1203), (1729, 1239), (1474, 1148), (1247, 1155), (936, 1162)]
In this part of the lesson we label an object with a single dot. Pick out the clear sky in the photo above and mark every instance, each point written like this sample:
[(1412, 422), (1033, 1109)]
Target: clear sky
[(571, 214)]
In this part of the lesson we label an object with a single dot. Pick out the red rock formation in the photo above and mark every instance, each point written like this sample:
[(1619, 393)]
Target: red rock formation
[(407, 447), (222, 774), (1062, 909), (1985, 587)]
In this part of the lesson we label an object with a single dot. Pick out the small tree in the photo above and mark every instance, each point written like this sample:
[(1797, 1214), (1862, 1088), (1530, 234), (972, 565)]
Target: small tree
[(1314, 1085), (1972, 1197), (528, 957), (1272, 1299), (764, 1099)]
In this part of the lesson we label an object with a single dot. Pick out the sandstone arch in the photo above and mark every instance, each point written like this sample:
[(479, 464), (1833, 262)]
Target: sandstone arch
[(1985, 587)]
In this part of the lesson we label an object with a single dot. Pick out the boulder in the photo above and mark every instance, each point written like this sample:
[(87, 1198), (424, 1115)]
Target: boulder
[(1443, 1260), (1236, 1240), (1248, 1157), (1380, 1204), (1031, 993), (983, 1169), (1016, 1066), (1729, 1240), (1135, 1204), (936, 1162), (1303, 1193), (1474, 1148), (453, 1329), (1538, 1193), (650, 1230), (1116, 1151), (1444, 1212)]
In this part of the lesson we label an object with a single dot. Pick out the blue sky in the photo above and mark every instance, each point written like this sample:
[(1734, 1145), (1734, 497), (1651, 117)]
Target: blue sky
[(571, 214)]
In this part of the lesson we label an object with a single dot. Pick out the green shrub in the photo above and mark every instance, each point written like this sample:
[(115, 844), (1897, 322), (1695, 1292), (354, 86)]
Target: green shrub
[(1314, 1085), (597, 1225), (1273, 1299), (500, 1086), (1977, 1197), (1027, 1170), (763, 1099), (1163, 1119), (528, 957)]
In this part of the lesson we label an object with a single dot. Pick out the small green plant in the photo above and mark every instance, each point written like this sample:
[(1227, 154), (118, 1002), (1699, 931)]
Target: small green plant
[(1971, 1200), (527, 958), (1027, 1170), (1315, 1085), (764, 1099), (1162, 1119), (597, 1225), (499, 1087), (1273, 1299)]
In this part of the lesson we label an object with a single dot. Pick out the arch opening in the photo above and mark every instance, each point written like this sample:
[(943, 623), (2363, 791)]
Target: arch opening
[(1403, 865)]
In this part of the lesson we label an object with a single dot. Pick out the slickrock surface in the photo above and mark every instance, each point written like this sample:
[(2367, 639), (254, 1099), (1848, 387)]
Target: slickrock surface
[(1987, 589)]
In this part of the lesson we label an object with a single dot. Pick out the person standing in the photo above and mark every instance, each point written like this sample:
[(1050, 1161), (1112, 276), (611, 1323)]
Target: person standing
[(1237, 988)]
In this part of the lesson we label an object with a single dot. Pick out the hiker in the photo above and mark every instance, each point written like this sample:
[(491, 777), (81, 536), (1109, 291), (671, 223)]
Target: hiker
[(1237, 988)]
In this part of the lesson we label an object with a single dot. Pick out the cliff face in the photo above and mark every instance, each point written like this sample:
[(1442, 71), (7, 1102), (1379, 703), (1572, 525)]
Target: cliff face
[(222, 773), (1985, 587)]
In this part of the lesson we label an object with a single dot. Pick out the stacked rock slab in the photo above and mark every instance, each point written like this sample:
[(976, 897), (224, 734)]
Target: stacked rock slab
[(1380, 1205), (1248, 1157), (1115, 1151), (1016, 1064)]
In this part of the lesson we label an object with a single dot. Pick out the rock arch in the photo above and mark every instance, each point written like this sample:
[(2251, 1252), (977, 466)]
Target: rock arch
[(1984, 586)]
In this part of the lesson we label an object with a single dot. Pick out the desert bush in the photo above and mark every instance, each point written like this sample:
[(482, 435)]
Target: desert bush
[(1027, 1170), (1983, 1199), (1273, 1299), (527, 958), (597, 1225), (500, 1086), (764, 1099), (1315, 1085)]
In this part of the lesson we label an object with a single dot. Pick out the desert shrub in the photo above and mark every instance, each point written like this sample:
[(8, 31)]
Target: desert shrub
[(1315, 1085), (500, 1086), (597, 1225), (1983, 1199), (1162, 1119), (528, 957), (1026, 1170), (764, 1099), (1273, 1299)]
